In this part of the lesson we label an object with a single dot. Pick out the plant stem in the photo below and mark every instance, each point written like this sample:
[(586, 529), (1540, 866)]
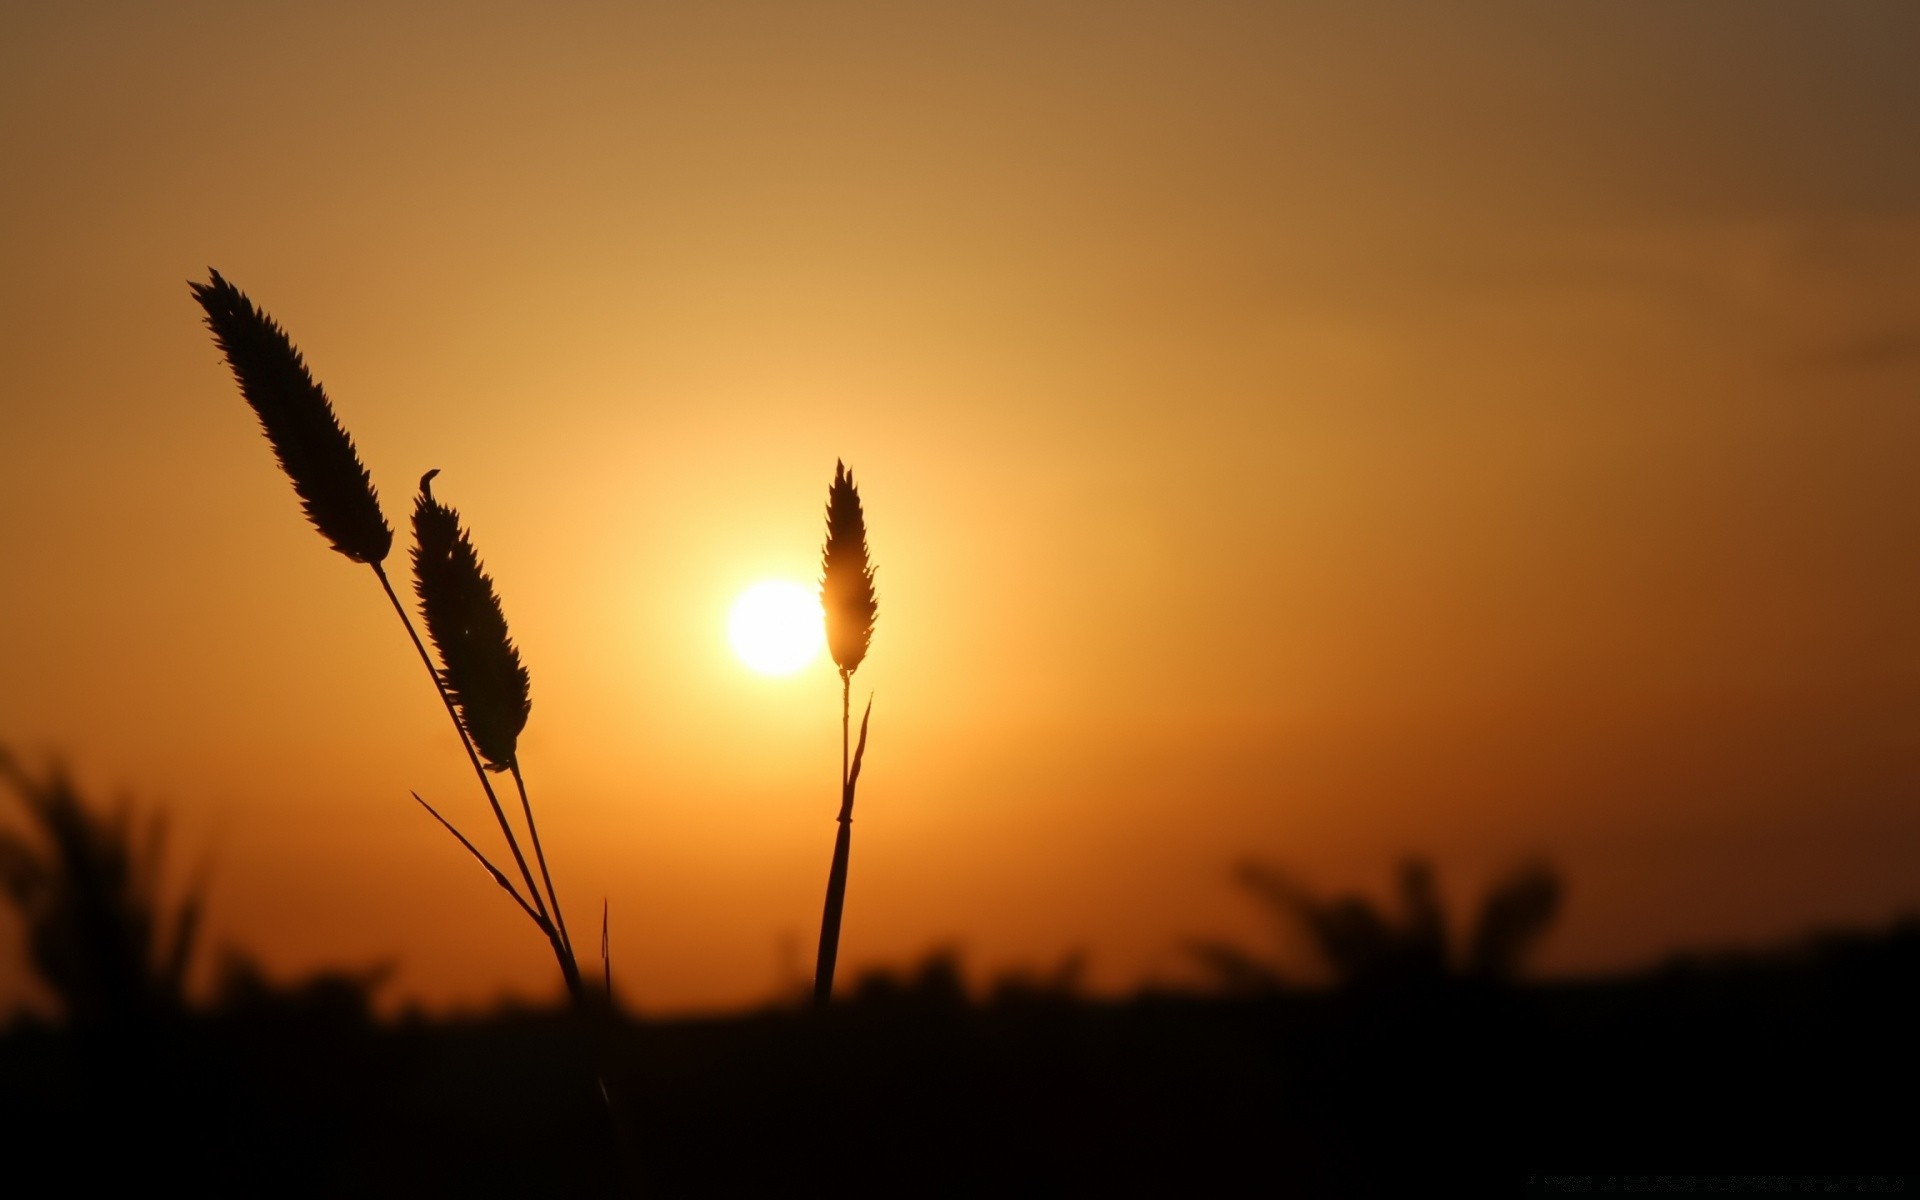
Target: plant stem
[(499, 814), (540, 856), (842, 850)]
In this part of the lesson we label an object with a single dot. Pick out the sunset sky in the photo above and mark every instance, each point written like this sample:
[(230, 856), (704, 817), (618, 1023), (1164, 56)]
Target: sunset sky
[(1312, 432)]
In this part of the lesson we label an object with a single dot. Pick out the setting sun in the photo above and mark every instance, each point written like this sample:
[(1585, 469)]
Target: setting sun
[(775, 627)]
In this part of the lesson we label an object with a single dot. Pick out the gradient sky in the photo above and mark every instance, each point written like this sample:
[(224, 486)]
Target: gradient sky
[(1312, 432)]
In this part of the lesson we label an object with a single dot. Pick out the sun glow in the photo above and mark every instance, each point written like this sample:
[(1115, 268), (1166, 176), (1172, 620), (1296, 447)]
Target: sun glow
[(776, 627)]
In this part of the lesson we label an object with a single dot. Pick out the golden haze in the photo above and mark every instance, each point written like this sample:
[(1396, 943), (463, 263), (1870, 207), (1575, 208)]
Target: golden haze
[(1318, 432)]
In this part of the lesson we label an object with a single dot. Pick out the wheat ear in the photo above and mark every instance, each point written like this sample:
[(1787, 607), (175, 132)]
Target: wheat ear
[(481, 671), (337, 494), (847, 599), (334, 488)]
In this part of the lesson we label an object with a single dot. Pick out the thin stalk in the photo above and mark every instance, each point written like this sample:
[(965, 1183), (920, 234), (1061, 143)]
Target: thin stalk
[(491, 869), (569, 971), (830, 922), (842, 851), (540, 856), (499, 814)]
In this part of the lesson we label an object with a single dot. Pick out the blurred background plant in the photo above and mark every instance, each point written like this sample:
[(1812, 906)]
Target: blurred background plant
[(102, 932), (1362, 946)]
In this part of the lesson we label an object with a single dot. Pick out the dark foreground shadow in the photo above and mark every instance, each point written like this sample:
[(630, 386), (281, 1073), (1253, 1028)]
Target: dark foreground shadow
[(1772, 1063), (1426, 1063)]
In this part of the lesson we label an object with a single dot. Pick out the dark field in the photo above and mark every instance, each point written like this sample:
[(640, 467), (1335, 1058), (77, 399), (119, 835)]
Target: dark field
[(1796, 1061)]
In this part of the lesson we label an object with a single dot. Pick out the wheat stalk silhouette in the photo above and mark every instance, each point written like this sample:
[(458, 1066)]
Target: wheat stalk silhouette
[(480, 679), (850, 606)]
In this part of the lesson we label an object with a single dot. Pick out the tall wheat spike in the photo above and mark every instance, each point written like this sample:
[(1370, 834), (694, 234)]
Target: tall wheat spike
[(337, 494), (847, 598), (480, 666), (481, 682)]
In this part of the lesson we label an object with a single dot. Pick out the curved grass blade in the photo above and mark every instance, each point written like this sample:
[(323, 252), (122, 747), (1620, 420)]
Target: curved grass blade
[(492, 870)]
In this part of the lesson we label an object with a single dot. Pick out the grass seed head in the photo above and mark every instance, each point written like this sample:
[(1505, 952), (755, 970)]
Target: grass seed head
[(846, 583), (478, 661), (334, 488)]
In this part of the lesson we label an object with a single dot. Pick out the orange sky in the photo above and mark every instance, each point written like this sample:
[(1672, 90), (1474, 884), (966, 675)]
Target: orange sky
[(1320, 432)]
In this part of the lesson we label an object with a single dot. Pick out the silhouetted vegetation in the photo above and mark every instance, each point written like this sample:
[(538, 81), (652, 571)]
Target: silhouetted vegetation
[(1363, 948), (1426, 1061), (1772, 1062), (1429, 1059), (480, 679), (101, 935), (847, 599)]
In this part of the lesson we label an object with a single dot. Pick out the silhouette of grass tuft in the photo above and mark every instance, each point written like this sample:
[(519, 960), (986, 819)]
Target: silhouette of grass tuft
[(334, 488), (1514, 917), (87, 886), (1367, 947)]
